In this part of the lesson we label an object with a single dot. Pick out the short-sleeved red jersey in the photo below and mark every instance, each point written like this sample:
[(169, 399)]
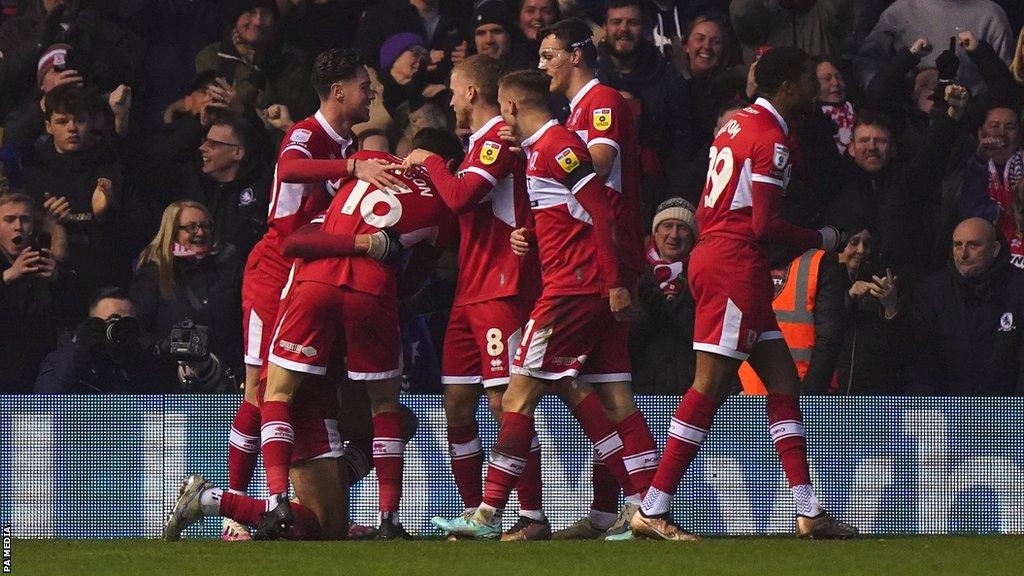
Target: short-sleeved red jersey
[(750, 149), (488, 268), (600, 115), (558, 166), (293, 205), (415, 211)]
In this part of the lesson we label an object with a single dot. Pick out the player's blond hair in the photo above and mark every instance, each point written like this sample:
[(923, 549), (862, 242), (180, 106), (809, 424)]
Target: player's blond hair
[(528, 87), (160, 250), (482, 72)]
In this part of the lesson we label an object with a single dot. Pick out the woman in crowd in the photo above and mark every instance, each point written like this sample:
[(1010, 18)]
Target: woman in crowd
[(184, 273)]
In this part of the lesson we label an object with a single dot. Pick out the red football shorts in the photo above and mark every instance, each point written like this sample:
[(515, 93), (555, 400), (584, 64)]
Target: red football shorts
[(732, 286), (315, 317), (480, 341), (314, 412), (261, 296), (609, 361), (561, 336)]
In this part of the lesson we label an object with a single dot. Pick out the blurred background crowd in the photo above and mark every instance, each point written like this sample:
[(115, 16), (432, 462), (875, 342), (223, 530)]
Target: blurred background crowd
[(138, 137)]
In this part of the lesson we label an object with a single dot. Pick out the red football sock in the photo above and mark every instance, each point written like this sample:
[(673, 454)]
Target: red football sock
[(388, 458), (639, 452), (606, 489), (242, 508), (306, 526), (508, 458), (607, 444), (529, 487), (467, 463), (689, 427), (278, 439), (243, 446), (786, 425)]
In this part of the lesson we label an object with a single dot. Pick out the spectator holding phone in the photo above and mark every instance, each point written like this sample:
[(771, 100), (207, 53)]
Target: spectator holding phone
[(28, 293)]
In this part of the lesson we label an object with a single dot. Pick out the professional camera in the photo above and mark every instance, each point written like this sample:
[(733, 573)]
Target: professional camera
[(121, 331), (188, 341)]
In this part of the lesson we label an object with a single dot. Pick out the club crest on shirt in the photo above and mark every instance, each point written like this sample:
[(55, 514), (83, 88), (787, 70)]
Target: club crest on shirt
[(246, 197), (603, 119), (301, 135), (489, 152), (1006, 322), (567, 160), (781, 156)]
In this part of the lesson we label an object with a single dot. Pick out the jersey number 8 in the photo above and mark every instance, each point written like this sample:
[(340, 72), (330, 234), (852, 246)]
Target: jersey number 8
[(366, 202), (719, 174)]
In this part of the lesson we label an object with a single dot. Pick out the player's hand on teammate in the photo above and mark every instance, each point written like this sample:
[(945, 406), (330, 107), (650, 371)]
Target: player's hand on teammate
[(621, 304), (378, 172), (386, 246), (832, 239), (416, 158), (506, 135), (520, 241)]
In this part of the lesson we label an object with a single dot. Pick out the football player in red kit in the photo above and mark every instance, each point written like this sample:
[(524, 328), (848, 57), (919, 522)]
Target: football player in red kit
[(495, 291), (579, 265), (351, 303), (601, 118), (739, 219), (312, 162)]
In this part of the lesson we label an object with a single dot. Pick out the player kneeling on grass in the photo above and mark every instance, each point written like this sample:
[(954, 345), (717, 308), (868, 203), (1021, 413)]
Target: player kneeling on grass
[(321, 471)]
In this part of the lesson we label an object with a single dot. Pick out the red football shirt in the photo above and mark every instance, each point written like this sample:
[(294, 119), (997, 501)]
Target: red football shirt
[(489, 195), (293, 204), (747, 176), (600, 115), (415, 211), (558, 166)]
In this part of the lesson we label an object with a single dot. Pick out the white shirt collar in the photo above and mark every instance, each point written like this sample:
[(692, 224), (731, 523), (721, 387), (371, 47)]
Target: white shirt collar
[(345, 142), (764, 103), (536, 135), (483, 130), (583, 92)]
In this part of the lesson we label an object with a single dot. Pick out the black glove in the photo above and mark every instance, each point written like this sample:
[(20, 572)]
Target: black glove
[(386, 246), (948, 63)]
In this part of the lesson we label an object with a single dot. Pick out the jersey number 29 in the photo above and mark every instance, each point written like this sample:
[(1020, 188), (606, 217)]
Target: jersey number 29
[(719, 174)]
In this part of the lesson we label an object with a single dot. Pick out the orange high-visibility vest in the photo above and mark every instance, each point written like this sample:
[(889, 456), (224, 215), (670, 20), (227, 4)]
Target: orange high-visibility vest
[(794, 309)]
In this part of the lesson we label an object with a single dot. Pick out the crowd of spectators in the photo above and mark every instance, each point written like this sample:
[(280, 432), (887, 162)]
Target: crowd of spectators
[(137, 140)]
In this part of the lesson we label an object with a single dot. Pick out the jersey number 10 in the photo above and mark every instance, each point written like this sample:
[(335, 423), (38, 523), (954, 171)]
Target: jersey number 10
[(366, 200)]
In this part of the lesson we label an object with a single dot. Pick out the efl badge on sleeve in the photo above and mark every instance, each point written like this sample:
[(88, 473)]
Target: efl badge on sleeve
[(489, 152), (781, 157), (603, 119), (301, 135), (567, 160)]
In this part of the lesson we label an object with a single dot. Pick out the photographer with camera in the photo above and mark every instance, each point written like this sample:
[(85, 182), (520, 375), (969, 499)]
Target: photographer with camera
[(105, 354), (29, 292), (187, 290)]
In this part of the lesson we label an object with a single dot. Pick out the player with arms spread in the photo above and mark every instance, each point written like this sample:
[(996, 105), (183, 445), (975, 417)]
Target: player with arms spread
[(311, 163), (576, 246), (739, 218), (351, 302), (496, 289), (600, 117)]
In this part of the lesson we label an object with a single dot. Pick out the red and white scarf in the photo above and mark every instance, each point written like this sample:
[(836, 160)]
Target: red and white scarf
[(843, 117), (1000, 190), (670, 276)]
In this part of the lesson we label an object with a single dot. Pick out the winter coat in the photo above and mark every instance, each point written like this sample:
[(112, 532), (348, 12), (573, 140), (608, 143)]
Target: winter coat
[(239, 207), (820, 30)]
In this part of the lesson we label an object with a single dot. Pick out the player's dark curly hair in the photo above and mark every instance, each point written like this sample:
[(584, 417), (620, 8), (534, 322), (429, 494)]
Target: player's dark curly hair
[(778, 65), (334, 65), (575, 34), (444, 143)]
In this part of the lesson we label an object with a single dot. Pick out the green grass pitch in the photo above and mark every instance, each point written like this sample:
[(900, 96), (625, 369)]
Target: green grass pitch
[(774, 556)]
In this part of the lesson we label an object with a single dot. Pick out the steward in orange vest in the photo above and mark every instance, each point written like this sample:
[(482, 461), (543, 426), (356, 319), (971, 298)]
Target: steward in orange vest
[(809, 305)]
